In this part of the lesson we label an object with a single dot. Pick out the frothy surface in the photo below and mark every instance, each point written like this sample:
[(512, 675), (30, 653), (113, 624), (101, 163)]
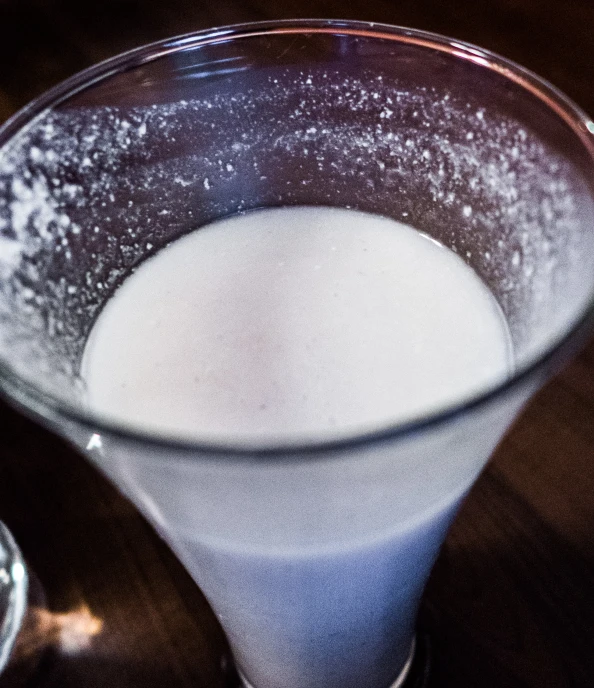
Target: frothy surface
[(292, 323)]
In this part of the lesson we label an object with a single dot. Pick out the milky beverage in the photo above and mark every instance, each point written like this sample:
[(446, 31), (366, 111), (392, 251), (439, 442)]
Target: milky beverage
[(287, 326)]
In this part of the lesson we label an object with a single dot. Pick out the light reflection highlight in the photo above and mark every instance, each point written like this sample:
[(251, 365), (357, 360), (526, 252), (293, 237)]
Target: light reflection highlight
[(95, 442), (17, 571), (70, 633)]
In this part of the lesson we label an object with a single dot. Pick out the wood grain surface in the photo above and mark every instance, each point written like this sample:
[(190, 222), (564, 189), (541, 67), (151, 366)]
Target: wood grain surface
[(511, 600)]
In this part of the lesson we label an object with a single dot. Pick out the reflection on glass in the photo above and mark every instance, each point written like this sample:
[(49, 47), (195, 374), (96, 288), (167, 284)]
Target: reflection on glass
[(13, 593)]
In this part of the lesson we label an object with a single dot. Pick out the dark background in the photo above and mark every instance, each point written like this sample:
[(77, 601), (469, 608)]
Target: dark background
[(511, 600)]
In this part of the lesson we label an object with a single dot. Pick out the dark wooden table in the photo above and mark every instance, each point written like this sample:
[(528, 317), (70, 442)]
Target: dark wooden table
[(511, 600)]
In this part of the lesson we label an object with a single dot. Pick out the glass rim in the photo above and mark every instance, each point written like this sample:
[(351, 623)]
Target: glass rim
[(49, 409)]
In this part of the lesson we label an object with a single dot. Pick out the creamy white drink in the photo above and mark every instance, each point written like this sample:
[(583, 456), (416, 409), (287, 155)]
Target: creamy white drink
[(288, 326), (292, 323)]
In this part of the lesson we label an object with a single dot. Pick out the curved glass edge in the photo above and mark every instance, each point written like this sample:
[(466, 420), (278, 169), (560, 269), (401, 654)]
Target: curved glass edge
[(15, 577), (49, 410)]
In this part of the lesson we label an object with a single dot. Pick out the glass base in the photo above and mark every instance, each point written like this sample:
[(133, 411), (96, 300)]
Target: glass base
[(414, 674), (404, 674), (419, 669)]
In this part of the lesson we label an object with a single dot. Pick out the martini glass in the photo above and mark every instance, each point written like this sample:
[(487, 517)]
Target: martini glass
[(313, 554)]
